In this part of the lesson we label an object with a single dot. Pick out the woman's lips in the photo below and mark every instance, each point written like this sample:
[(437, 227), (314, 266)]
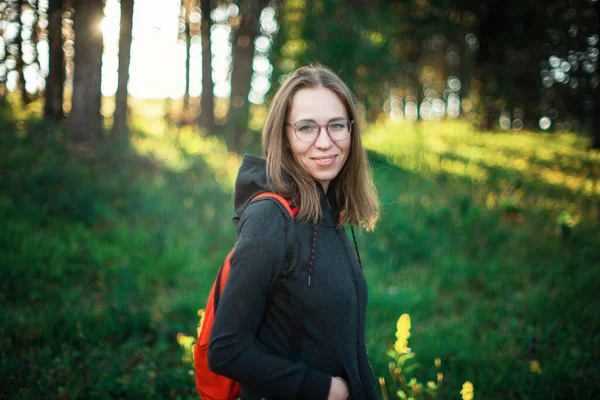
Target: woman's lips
[(324, 161)]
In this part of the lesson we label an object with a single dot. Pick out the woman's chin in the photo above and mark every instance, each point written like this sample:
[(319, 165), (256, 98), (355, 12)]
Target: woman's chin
[(325, 177)]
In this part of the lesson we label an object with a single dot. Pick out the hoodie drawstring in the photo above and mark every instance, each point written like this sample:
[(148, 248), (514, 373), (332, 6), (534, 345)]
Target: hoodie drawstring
[(312, 254), (356, 247)]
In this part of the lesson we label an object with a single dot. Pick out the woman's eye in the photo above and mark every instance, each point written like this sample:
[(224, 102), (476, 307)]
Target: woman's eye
[(306, 128), (337, 125)]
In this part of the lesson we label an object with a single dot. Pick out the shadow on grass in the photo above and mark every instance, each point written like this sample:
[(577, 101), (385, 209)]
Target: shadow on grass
[(480, 285), (454, 210), (107, 255)]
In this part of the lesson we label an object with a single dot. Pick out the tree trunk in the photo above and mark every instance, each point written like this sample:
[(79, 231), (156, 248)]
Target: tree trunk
[(243, 54), (413, 57), (120, 128), (188, 42), (596, 121), (34, 5), (467, 61), (3, 54), (207, 104), (85, 121), (56, 68), (19, 56), (596, 97)]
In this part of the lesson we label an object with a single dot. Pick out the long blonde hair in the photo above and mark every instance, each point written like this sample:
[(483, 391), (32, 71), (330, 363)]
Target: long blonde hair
[(354, 189)]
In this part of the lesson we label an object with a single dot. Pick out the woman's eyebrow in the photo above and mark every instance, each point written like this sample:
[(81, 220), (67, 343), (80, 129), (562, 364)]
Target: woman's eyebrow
[(330, 119)]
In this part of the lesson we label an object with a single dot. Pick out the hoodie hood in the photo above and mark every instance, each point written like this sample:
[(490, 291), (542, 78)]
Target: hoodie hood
[(251, 181)]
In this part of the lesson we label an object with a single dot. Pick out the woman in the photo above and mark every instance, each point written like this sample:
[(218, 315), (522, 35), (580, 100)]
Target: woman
[(314, 156)]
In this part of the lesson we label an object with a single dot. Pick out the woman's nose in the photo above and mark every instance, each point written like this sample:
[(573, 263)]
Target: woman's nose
[(323, 141)]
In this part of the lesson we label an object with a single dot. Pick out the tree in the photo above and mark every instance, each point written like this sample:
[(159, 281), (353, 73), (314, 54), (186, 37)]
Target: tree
[(85, 120), (206, 118), (19, 54), (120, 128), (356, 40), (243, 55), (596, 98), (34, 6), (3, 57), (56, 68), (186, 10), (22, 15)]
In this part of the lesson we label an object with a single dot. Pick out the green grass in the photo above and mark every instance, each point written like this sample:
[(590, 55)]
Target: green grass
[(474, 245), (487, 240)]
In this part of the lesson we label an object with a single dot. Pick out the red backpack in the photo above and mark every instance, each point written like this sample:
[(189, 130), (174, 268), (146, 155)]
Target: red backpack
[(212, 386)]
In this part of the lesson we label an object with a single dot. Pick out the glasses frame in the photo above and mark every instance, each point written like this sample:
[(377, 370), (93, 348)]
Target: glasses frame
[(326, 126)]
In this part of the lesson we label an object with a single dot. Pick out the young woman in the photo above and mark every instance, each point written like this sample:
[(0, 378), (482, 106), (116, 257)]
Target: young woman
[(315, 158)]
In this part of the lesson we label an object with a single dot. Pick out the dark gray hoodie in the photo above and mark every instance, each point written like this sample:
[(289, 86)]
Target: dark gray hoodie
[(250, 337)]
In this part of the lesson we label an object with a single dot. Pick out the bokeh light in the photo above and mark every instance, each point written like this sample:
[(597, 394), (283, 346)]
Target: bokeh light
[(545, 123)]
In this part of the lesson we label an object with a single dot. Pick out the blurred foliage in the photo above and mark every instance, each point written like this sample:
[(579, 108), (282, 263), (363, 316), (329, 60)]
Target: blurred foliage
[(526, 65), (497, 64)]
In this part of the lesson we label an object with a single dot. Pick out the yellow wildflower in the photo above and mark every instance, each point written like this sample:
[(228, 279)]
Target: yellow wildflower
[(186, 343), (467, 392), (438, 363), (201, 320), (535, 367), (402, 333)]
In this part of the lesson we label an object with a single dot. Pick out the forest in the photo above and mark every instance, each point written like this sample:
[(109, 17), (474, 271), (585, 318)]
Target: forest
[(123, 124)]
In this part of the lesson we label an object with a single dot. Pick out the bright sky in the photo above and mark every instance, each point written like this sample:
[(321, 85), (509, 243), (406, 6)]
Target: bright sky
[(157, 67)]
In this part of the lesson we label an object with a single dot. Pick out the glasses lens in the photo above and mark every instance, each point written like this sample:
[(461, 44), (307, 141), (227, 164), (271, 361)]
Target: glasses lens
[(339, 129), (306, 130)]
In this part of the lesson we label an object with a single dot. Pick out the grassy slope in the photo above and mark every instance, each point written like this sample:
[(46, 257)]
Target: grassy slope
[(487, 244), (108, 253)]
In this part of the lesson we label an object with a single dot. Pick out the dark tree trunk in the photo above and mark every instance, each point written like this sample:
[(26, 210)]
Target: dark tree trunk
[(19, 56), (243, 54), (490, 63), (56, 68), (120, 128), (188, 42), (596, 95), (413, 57), (85, 121), (596, 121), (34, 41), (207, 104), (3, 54)]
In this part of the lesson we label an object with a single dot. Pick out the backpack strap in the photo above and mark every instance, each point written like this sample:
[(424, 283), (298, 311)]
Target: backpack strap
[(291, 248), (287, 204)]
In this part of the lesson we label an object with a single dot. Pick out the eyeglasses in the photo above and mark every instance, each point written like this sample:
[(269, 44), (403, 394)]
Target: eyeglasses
[(307, 131)]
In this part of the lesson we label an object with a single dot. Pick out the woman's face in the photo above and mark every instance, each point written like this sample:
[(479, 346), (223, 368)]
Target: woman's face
[(323, 158)]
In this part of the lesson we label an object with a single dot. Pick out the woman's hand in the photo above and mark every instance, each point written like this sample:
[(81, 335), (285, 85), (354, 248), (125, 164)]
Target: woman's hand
[(338, 389)]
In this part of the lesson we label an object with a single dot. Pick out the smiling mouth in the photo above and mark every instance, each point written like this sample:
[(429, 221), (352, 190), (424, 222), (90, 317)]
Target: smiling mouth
[(325, 160)]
